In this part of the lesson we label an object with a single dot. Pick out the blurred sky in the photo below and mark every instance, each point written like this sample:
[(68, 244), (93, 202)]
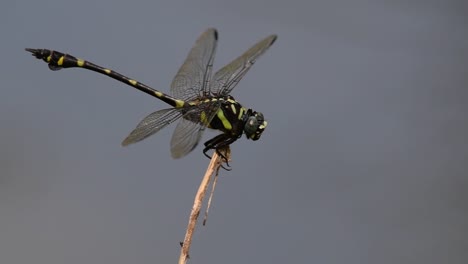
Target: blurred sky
[(364, 159)]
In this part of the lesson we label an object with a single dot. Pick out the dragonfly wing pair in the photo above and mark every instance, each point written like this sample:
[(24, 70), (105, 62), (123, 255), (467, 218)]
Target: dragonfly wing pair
[(193, 82)]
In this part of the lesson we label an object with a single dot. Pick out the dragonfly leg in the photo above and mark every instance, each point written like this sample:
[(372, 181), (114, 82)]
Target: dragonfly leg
[(217, 143)]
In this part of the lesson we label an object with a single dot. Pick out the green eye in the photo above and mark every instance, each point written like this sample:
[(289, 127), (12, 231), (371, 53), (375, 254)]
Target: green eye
[(254, 126), (251, 126)]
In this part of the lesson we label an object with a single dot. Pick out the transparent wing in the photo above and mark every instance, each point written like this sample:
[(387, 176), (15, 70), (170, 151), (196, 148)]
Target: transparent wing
[(190, 129), (152, 124), (227, 78), (192, 79), (187, 139)]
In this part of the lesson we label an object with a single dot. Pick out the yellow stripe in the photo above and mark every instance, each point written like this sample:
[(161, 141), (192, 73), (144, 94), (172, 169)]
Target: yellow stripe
[(179, 103), (49, 58), (60, 61), (233, 108), (262, 126), (241, 113), (227, 125), (80, 63), (133, 82), (231, 101), (203, 117), (158, 94), (107, 71)]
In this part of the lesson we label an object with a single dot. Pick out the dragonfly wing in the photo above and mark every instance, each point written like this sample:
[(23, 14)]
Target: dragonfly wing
[(190, 129), (184, 141), (152, 124), (192, 79), (227, 78)]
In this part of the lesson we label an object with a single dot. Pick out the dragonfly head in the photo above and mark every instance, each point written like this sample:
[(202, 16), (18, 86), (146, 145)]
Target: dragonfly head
[(254, 125)]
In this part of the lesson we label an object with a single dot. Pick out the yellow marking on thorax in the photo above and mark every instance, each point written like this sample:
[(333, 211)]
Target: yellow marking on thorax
[(203, 118), (231, 101), (263, 125), (227, 125), (60, 61), (133, 82), (233, 108), (107, 71), (49, 58), (80, 63), (241, 113)]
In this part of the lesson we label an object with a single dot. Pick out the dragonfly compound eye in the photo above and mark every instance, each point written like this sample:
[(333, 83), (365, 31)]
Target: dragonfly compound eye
[(254, 126)]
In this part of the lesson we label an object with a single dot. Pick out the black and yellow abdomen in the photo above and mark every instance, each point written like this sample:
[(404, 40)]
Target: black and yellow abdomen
[(58, 60)]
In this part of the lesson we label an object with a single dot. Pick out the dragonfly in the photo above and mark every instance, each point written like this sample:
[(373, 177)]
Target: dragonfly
[(197, 97)]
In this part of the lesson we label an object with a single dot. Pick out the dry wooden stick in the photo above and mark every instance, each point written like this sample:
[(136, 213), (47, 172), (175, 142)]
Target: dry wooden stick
[(215, 164), (208, 205)]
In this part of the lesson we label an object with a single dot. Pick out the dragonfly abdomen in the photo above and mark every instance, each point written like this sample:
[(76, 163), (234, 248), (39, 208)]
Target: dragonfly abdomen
[(58, 60)]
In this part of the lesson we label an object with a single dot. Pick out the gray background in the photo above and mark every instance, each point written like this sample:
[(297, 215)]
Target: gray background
[(364, 159)]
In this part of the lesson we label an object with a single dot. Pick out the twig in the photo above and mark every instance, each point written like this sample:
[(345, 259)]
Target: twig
[(208, 205), (215, 164)]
